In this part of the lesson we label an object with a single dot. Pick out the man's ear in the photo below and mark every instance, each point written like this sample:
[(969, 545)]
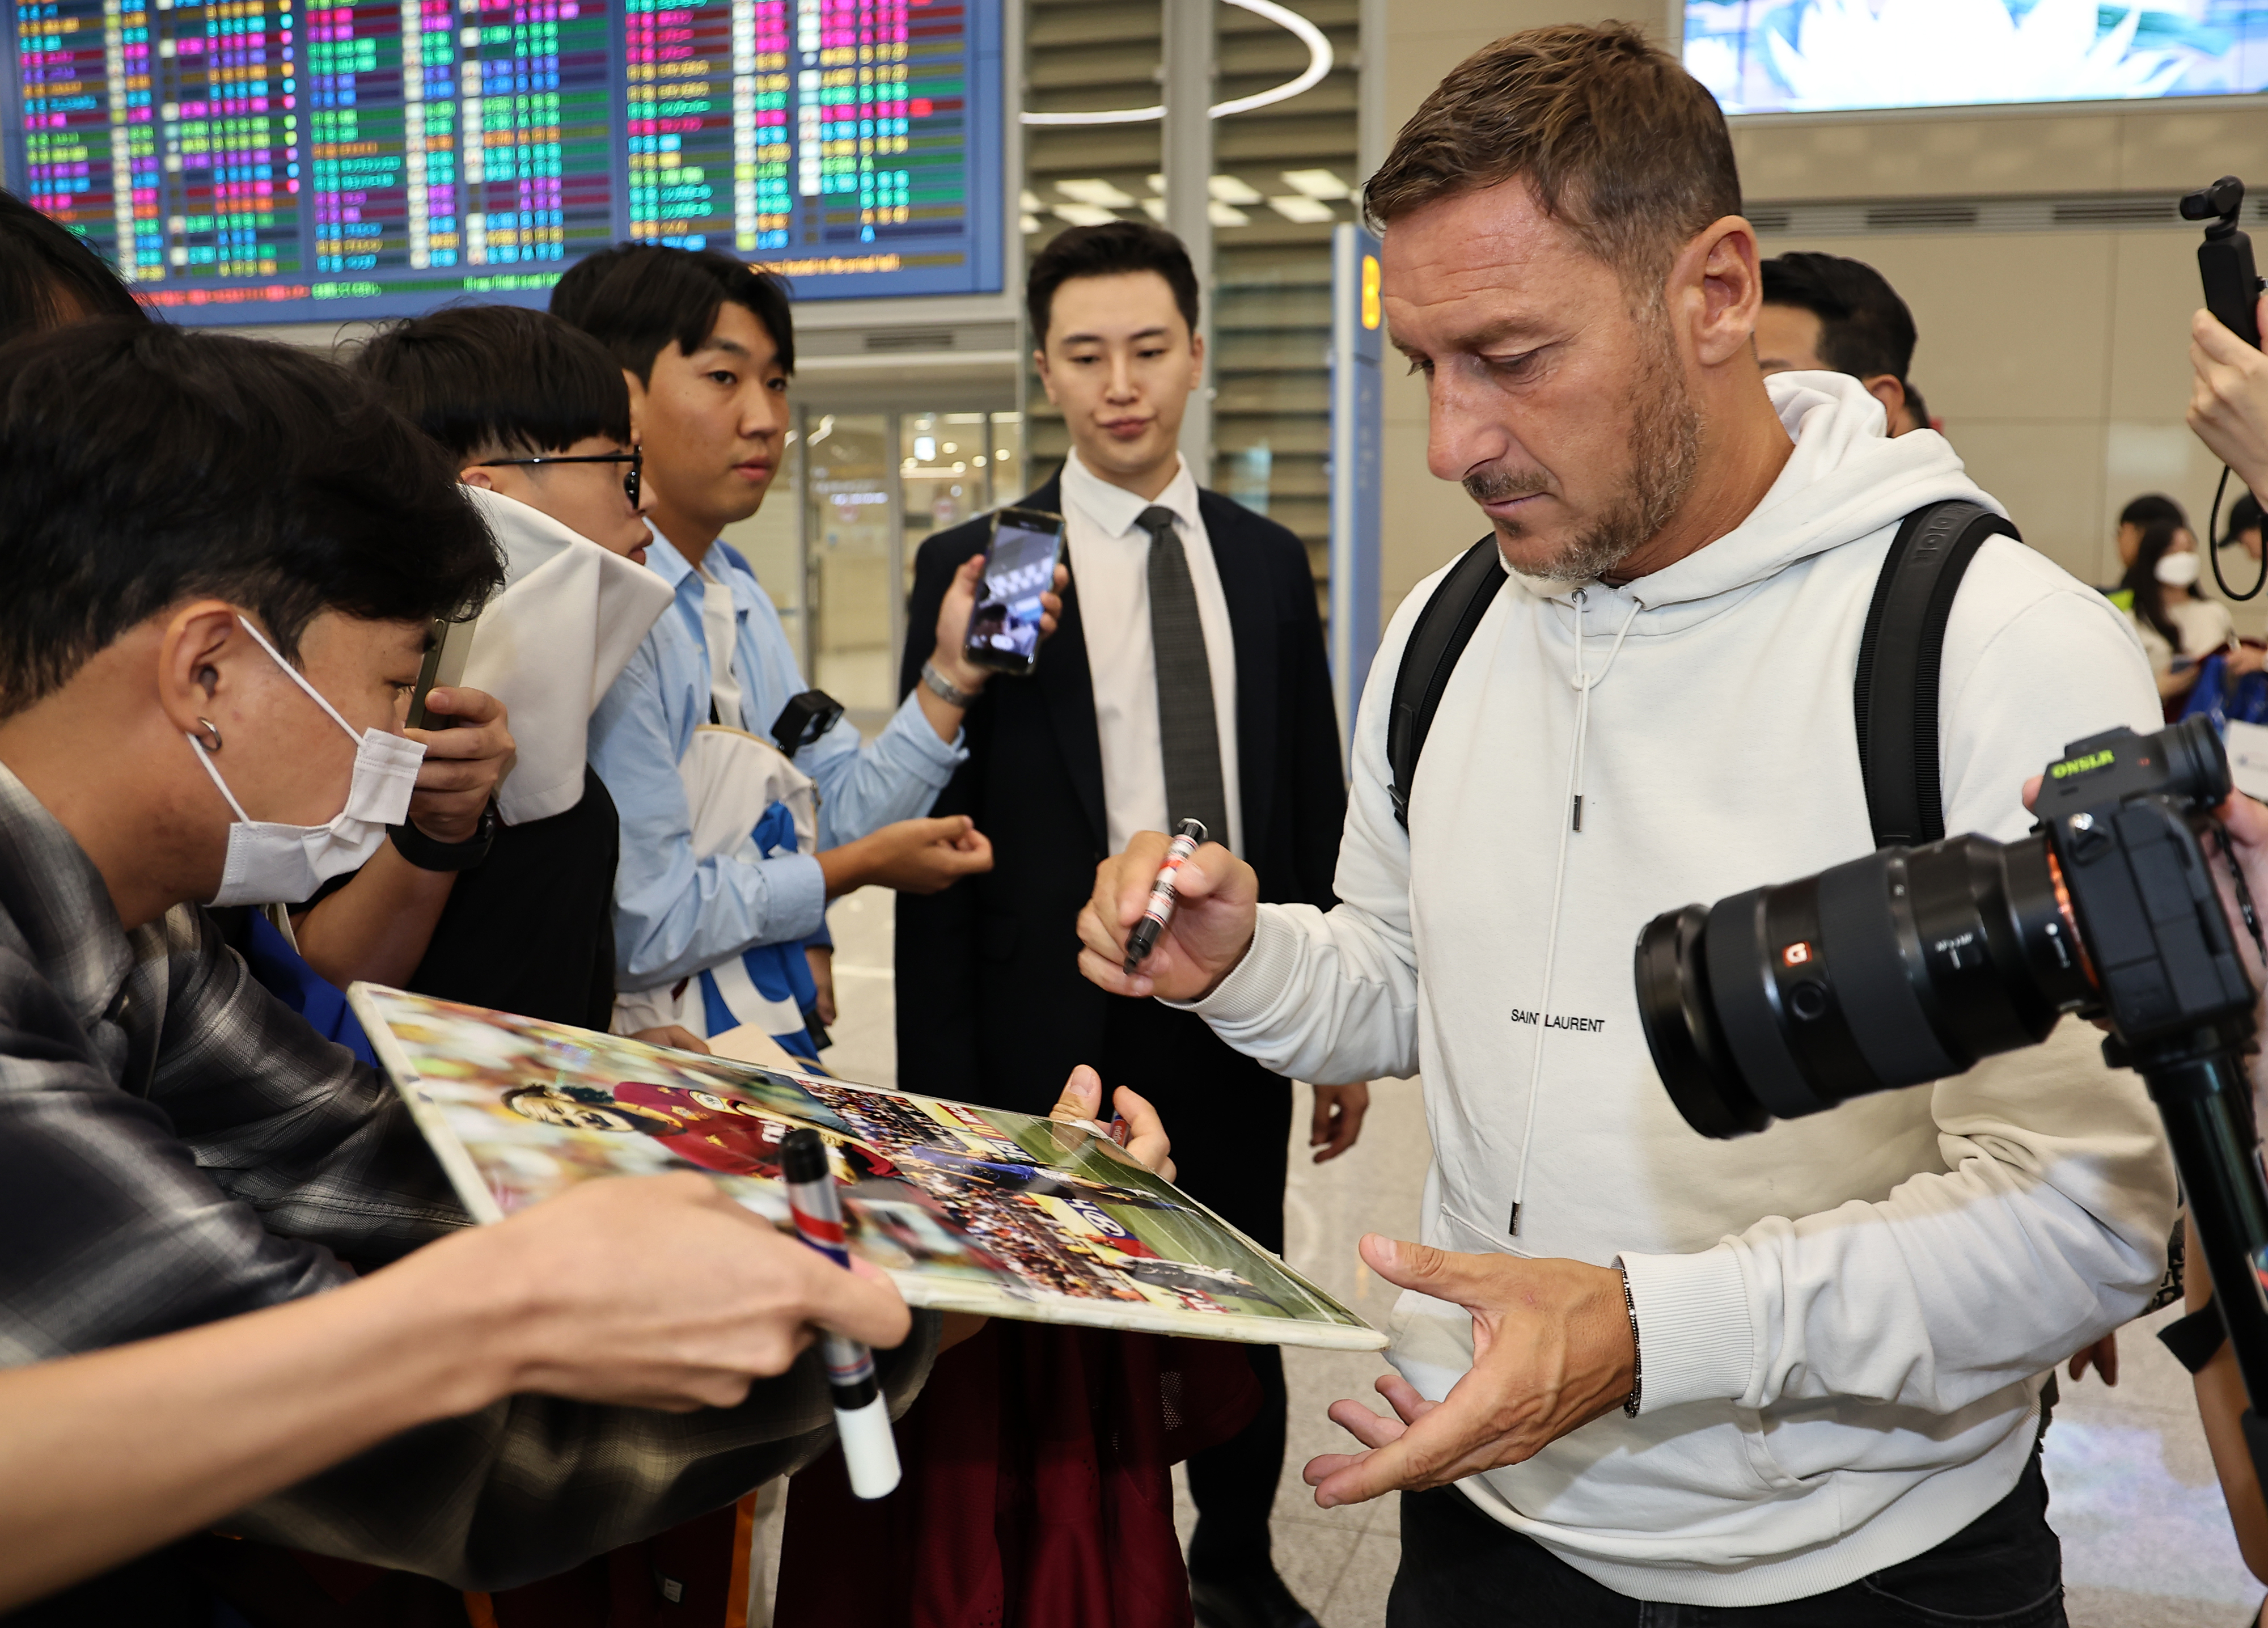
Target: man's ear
[(1047, 379), (199, 645), (637, 405), (1196, 362), (1890, 391), (474, 475), (1717, 279)]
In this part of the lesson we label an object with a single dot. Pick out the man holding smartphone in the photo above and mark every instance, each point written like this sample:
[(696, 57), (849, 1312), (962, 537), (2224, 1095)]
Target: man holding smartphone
[(1188, 680)]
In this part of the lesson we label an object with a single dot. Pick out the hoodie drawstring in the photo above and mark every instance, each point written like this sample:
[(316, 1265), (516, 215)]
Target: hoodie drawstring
[(1584, 682)]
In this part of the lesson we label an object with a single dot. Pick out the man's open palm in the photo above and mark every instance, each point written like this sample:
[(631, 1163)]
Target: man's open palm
[(1551, 1351)]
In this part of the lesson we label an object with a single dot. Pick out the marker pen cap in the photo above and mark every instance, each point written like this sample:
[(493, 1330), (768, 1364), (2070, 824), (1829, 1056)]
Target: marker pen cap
[(803, 1157), (869, 1452)]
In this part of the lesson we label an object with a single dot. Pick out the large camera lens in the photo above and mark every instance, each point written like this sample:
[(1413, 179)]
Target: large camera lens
[(1903, 967)]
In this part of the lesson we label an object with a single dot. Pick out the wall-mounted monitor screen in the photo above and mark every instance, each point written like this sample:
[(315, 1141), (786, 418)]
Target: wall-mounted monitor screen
[(270, 160), (1830, 55)]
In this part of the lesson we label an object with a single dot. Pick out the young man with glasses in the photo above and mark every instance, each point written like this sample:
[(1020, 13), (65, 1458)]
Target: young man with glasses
[(533, 415), (706, 346)]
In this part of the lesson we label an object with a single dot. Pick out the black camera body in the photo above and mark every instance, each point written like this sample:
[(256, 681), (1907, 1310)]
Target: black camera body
[(2125, 816)]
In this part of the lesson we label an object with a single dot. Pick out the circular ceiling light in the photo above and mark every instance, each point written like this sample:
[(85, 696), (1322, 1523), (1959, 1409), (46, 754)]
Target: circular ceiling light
[(1319, 64)]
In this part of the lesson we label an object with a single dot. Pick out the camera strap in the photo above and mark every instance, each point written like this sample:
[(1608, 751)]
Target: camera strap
[(1894, 698), (1893, 694)]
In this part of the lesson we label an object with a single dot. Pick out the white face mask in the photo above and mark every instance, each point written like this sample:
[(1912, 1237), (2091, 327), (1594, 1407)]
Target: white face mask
[(271, 864), (2179, 570)]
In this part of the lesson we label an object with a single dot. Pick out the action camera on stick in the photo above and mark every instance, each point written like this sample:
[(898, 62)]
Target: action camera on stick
[(2232, 284), (2232, 293)]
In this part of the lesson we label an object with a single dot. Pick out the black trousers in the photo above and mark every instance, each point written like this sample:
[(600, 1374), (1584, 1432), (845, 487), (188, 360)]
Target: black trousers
[(1459, 1569), (1231, 1121)]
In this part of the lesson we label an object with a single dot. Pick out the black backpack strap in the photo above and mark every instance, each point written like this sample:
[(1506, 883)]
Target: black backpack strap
[(1444, 628), (1894, 694)]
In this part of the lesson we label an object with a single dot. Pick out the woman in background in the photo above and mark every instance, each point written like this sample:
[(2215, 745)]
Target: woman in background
[(2178, 626)]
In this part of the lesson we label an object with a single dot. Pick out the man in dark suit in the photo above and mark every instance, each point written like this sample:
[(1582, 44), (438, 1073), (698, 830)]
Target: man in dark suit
[(1187, 680)]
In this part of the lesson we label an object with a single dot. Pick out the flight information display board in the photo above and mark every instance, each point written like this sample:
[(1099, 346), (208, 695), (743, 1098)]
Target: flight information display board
[(270, 160)]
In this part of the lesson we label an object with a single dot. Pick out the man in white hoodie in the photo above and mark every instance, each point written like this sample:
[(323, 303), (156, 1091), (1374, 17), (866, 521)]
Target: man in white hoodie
[(1645, 1377)]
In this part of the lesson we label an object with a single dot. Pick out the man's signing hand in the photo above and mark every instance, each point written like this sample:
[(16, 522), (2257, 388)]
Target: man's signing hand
[(1217, 899), (1551, 1350)]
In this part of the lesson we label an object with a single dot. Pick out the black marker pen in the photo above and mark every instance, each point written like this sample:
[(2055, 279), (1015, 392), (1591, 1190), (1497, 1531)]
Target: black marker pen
[(1159, 915)]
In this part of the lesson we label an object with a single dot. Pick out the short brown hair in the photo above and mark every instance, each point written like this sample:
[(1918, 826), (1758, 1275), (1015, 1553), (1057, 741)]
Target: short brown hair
[(1613, 136)]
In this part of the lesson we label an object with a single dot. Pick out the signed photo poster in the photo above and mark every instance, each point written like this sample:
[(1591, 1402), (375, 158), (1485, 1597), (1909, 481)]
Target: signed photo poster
[(967, 1209)]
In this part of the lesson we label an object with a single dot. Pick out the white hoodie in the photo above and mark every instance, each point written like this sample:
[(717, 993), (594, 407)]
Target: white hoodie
[(551, 644), (1823, 1396)]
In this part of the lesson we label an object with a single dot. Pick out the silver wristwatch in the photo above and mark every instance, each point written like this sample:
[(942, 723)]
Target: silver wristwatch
[(945, 689)]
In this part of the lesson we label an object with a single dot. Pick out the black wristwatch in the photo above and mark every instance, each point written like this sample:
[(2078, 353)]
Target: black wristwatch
[(429, 855), (2196, 1339)]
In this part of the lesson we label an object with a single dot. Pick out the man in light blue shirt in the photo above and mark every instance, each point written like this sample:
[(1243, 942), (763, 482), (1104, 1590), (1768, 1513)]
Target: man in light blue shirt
[(707, 346)]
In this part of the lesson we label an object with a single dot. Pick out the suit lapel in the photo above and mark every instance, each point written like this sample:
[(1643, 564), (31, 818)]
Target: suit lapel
[(1068, 690), (1251, 616)]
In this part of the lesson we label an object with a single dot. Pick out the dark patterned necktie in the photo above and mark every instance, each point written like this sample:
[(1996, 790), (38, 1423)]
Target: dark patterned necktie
[(1187, 729)]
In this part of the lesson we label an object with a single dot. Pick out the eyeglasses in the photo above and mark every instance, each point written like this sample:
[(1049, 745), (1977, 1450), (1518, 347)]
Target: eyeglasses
[(631, 477)]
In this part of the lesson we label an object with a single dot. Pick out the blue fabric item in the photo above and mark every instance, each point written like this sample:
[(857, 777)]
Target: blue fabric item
[(675, 916), (780, 972), (284, 973), (2214, 697)]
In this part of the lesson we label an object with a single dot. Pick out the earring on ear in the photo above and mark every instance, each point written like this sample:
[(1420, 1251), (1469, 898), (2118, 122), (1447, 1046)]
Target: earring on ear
[(213, 730)]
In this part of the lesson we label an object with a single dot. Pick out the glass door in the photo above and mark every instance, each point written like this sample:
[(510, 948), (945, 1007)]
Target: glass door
[(955, 466), (851, 552), (876, 486)]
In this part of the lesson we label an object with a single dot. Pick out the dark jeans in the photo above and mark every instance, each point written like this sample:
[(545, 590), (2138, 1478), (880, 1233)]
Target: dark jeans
[(1234, 1485), (1459, 1567)]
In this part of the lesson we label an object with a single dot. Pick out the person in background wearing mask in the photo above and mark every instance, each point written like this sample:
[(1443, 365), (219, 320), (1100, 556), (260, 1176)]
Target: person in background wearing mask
[(2138, 515), (1824, 313), (2178, 627), (49, 278), (706, 346), (2238, 557), (222, 558)]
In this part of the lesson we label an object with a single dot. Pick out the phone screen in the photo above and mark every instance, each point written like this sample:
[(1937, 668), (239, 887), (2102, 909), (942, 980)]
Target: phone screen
[(1004, 632)]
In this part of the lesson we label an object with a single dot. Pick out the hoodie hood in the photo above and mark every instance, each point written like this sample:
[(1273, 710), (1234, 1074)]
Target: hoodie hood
[(1844, 479), (569, 620)]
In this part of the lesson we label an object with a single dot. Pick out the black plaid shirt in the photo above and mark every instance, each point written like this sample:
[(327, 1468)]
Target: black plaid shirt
[(177, 1146)]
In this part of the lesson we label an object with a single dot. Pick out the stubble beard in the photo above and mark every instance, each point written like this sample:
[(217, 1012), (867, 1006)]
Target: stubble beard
[(1664, 454)]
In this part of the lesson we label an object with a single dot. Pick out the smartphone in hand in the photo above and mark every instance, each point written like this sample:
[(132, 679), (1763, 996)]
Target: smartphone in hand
[(1004, 629), (448, 645)]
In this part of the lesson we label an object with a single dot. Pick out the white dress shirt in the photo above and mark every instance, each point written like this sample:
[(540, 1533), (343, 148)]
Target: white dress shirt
[(1111, 563)]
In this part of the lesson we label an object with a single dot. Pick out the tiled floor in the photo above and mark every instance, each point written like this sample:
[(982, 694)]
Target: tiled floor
[(2146, 1542)]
